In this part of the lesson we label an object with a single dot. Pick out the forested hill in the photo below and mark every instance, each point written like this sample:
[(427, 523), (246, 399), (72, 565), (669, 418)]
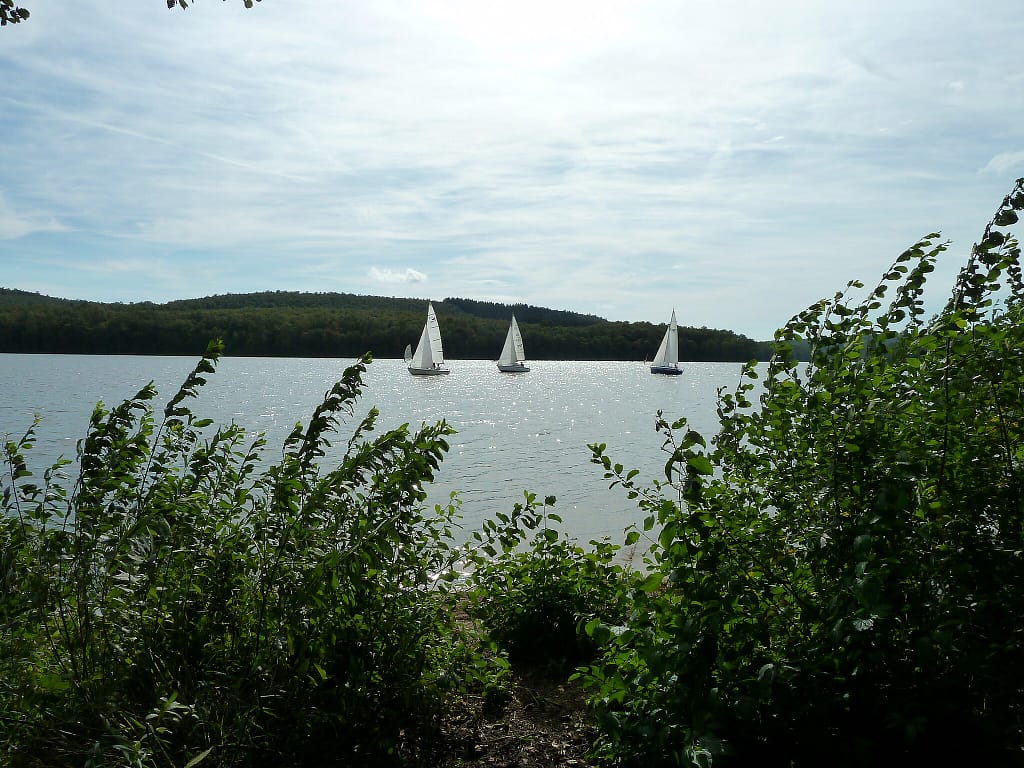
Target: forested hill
[(293, 299), (292, 324)]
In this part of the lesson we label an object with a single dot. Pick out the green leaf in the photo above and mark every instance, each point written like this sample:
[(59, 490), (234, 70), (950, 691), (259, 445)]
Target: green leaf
[(1005, 218), (651, 583), (199, 758), (53, 682), (599, 631), (700, 464)]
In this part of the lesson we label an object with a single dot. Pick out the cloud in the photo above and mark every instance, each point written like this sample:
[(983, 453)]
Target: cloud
[(15, 224), (388, 275), (617, 158), (1004, 163)]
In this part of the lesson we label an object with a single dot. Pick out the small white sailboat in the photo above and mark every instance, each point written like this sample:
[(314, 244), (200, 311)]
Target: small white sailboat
[(428, 359), (513, 356), (667, 359)]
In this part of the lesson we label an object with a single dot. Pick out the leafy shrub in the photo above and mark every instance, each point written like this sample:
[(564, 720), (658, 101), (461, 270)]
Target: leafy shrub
[(176, 605), (534, 601), (839, 579)]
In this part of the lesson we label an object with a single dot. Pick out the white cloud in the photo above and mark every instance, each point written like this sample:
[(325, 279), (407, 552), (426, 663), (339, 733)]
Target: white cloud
[(387, 275), (15, 224), (1004, 163)]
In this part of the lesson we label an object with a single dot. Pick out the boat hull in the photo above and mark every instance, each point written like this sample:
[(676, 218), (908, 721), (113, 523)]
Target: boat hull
[(513, 368), (667, 370), (428, 371)]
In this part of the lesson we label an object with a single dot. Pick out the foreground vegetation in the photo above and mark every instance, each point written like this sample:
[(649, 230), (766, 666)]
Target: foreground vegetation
[(838, 579), (835, 579), (289, 324)]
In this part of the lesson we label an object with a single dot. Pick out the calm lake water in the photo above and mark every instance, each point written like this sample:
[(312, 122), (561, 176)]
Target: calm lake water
[(515, 432)]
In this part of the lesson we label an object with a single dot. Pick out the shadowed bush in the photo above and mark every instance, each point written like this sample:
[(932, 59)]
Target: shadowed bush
[(533, 600), (839, 578)]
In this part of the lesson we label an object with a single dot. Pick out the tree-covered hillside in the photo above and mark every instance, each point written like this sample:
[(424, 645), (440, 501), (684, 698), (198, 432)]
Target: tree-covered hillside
[(292, 324), (11, 297)]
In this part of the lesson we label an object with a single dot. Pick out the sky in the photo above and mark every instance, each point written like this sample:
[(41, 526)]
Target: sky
[(734, 161)]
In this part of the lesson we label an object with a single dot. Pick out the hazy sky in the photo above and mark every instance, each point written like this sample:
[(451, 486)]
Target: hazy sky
[(732, 160)]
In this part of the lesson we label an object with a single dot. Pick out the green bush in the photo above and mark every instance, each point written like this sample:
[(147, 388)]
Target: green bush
[(174, 604), (534, 601), (839, 578)]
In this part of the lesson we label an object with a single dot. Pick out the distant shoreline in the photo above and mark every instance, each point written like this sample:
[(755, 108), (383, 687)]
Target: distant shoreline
[(336, 325)]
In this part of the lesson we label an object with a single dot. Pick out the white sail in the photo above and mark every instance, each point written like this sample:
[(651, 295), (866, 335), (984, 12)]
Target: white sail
[(667, 357), (428, 359), (433, 331), (505, 358), (517, 341), (422, 358), (513, 353)]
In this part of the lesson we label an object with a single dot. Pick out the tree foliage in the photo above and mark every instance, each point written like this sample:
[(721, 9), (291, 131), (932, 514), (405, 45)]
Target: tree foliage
[(291, 324), (11, 13), (838, 578)]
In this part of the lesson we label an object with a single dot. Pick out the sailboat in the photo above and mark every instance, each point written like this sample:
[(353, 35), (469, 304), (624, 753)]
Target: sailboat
[(428, 359), (667, 359), (513, 355)]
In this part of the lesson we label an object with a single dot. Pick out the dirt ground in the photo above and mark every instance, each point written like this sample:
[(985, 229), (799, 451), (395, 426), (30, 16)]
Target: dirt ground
[(543, 724)]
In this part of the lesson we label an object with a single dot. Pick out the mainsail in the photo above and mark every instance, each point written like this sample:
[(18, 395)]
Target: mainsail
[(513, 351), (429, 354)]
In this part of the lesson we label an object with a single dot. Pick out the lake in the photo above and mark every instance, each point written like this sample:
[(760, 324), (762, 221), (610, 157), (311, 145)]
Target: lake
[(516, 432)]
